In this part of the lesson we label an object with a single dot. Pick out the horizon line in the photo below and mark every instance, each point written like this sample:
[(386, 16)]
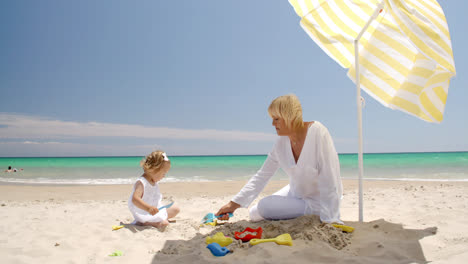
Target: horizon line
[(225, 155)]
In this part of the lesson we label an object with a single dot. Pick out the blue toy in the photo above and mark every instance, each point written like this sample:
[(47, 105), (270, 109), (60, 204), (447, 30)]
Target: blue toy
[(210, 217), (166, 206), (217, 250)]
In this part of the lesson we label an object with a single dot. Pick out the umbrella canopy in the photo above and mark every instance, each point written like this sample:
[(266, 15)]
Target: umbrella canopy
[(402, 50), (405, 55)]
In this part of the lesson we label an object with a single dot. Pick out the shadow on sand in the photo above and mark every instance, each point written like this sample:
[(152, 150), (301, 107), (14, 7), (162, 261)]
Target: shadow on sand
[(134, 228), (378, 241)]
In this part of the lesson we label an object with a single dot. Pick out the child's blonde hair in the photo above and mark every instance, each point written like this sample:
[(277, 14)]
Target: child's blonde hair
[(288, 108), (154, 161)]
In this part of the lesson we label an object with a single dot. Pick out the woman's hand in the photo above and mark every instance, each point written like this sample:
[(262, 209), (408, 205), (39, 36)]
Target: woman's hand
[(228, 208)]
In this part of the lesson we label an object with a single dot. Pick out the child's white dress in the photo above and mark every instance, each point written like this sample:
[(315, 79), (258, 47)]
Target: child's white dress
[(151, 196)]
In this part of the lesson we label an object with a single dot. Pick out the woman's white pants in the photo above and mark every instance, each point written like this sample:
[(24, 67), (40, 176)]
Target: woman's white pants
[(281, 205)]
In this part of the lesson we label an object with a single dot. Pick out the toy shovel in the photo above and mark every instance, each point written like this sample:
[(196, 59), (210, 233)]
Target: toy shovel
[(347, 229), (166, 206), (284, 239)]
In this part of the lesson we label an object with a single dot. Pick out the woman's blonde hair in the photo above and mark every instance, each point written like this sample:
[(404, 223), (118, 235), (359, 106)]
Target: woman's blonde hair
[(288, 108), (154, 161)]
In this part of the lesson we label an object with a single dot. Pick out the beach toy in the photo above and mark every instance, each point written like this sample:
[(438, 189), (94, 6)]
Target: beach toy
[(217, 250), (346, 229), (117, 227), (210, 217), (219, 238), (248, 234), (214, 223), (284, 239), (166, 206), (116, 253)]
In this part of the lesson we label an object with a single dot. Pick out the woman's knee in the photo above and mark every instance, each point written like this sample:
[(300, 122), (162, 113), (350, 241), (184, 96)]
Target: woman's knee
[(264, 205), (254, 214), (276, 207)]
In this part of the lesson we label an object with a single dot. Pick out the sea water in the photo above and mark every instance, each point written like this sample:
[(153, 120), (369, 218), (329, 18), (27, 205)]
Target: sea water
[(435, 166)]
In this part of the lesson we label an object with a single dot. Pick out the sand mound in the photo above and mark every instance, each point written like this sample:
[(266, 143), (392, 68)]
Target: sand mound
[(306, 228), (302, 228)]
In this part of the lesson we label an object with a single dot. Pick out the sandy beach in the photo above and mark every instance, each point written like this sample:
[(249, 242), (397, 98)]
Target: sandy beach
[(404, 222)]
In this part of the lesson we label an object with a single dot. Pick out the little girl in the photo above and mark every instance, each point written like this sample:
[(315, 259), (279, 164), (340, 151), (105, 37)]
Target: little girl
[(146, 197)]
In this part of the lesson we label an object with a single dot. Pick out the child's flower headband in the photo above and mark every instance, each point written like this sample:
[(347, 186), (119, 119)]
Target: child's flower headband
[(165, 156)]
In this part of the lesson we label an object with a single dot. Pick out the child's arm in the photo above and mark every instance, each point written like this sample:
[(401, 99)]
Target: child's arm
[(138, 202)]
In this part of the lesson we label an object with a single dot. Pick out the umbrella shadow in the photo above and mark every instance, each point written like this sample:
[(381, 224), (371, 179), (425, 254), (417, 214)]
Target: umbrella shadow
[(384, 241), (377, 241)]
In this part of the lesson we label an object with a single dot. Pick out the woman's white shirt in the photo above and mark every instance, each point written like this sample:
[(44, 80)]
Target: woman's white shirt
[(315, 177)]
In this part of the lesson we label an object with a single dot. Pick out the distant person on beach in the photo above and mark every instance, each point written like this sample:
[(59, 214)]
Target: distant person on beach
[(11, 170), (146, 197), (305, 151)]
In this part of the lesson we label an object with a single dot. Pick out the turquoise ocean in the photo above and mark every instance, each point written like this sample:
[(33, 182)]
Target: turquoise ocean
[(434, 166)]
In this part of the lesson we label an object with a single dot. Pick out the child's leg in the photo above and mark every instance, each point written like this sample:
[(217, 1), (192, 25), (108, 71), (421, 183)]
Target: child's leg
[(173, 211), (152, 220)]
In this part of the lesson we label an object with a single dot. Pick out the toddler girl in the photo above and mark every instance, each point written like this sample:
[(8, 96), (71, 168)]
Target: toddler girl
[(146, 197)]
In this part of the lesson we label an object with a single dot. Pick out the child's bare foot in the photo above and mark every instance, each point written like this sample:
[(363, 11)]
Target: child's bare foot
[(159, 225), (162, 224)]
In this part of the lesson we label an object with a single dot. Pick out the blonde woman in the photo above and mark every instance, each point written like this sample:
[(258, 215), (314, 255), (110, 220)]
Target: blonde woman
[(305, 151)]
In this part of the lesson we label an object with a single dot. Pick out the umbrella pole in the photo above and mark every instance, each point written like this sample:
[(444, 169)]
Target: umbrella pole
[(359, 117), (359, 105)]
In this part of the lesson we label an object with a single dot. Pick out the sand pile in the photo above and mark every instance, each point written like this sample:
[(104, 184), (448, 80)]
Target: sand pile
[(305, 228), (302, 228)]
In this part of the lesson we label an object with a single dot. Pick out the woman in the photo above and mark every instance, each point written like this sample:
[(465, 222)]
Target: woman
[(305, 151)]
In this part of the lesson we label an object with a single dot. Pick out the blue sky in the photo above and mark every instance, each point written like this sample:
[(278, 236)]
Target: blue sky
[(86, 78)]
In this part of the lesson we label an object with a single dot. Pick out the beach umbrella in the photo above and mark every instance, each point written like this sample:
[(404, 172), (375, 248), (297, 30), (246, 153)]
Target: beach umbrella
[(403, 50)]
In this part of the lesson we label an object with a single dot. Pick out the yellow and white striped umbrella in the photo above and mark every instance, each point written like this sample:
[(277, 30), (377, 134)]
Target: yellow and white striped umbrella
[(405, 55)]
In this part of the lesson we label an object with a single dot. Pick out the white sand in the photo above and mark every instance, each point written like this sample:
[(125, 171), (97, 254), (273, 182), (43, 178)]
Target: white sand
[(404, 222)]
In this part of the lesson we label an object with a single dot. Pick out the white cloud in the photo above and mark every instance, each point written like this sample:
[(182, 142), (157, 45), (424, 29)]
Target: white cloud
[(14, 126), (38, 143), (38, 149)]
